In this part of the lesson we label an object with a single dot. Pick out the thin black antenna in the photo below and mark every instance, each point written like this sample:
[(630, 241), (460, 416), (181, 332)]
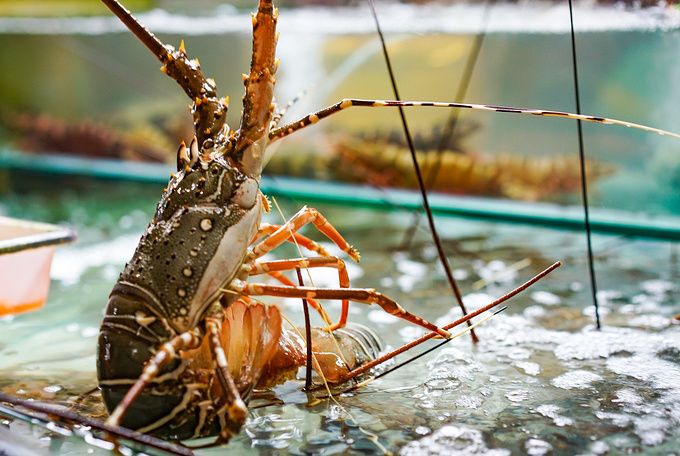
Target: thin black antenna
[(451, 123), (419, 176), (584, 183), (308, 334)]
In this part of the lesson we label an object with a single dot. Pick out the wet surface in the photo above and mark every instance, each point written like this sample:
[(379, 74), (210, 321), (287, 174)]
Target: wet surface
[(542, 380)]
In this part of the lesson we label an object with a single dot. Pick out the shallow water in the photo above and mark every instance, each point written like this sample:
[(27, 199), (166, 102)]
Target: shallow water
[(542, 380)]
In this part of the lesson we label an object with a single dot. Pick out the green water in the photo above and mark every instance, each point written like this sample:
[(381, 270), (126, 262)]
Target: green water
[(541, 381), (88, 73)]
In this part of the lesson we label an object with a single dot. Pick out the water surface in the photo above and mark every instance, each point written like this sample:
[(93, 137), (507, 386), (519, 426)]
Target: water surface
[(542, 380)]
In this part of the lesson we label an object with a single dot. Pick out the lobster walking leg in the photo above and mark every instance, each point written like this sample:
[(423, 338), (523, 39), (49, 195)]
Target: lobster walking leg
[(312, 302), (364, 295), (323, 262), (235, 407), (167, 352), (303, 217), (297, 238), (313, 118)]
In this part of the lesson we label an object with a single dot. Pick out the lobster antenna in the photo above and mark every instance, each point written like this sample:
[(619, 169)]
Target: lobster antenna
[(584, 182), (209, 111), (387, 356), (308, 334), (420, 355), (142, 33), (421, 184)]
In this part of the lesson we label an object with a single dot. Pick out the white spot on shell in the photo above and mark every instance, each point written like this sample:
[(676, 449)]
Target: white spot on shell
[(246, 194), (187, 272), (181, 292), (206, 224), (183, 310)]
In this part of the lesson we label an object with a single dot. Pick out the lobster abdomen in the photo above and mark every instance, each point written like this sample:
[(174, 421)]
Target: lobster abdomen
[(129, 335)]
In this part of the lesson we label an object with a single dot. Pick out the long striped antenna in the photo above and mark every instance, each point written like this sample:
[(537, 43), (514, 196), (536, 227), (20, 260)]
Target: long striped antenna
[(346, 103)]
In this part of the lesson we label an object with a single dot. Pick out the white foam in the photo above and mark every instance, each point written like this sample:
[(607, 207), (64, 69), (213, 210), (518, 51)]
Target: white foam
[(577, 379), (551, 411), (546, 298), (517, 395), (452, 440), (528, 367), (537, 447)]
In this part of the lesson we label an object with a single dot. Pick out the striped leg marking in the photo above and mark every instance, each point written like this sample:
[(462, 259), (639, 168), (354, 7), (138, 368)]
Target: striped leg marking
[(364, 295), (278, 114), (310, 119), (266, 229), (273, 268), (167, 352), (303, 217)]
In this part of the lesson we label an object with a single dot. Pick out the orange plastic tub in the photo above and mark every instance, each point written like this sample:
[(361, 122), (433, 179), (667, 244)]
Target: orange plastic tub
[(26, 251)]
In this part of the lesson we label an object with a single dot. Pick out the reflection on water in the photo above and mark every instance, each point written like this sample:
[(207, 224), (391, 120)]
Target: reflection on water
[(541, 380)]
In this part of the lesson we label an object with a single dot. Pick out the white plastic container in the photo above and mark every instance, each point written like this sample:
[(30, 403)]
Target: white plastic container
[(26, 251)]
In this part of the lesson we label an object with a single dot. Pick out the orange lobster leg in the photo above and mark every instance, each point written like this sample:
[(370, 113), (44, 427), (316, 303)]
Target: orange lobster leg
[(365, 295), (273, 267), (235, 407), (296, 238), (318, 307), (303, 217)]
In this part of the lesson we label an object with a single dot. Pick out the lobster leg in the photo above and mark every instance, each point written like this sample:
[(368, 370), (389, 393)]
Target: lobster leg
[(313, 118), (167, 352), (312, 302), (297, 238), (324, 262), (303, 217), (235, 407), (364, 295)]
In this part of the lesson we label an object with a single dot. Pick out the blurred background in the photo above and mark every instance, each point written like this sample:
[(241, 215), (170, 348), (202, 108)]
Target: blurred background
[(73, 81)]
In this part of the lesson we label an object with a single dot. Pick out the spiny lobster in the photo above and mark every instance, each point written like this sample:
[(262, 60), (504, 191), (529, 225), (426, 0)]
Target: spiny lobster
[(180, 346)]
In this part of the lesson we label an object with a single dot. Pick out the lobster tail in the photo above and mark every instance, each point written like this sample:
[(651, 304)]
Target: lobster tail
[(130, 332)]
